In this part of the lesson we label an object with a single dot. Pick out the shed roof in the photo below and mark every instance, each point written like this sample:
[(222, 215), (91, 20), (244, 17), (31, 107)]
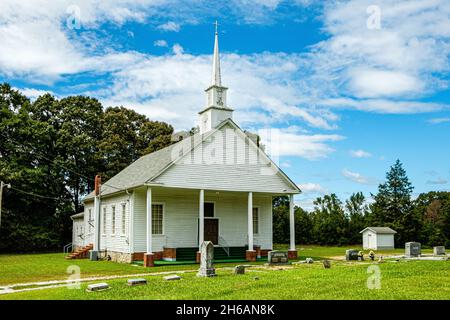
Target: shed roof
[(380, 230)]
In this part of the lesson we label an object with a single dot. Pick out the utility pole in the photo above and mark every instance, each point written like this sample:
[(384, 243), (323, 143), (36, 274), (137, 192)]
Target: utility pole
[(2, 185)]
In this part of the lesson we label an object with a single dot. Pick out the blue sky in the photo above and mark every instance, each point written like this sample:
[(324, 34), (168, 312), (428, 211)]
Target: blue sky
[(351, 86)]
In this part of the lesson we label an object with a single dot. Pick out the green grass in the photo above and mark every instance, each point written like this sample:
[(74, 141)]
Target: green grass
[(20, 268), (26, 268), (23, 268), (401, 280)]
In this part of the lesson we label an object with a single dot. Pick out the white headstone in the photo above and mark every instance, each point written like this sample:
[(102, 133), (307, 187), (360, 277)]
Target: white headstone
[(439, 250), (97, 287), (206, 260)]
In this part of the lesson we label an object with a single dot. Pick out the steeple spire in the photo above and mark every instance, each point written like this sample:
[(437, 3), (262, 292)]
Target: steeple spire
[(216, 79), (216, 109)]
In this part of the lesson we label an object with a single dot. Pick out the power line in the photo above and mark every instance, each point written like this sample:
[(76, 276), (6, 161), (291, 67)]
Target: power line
[(33, 194)]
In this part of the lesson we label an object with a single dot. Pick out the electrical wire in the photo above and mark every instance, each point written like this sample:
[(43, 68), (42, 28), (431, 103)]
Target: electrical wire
[(33, 194)]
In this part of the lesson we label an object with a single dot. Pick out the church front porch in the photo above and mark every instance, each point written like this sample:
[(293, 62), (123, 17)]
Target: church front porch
[(189, 217)]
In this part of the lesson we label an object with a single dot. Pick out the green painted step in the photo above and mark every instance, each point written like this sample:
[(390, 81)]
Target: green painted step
[(189, 254)]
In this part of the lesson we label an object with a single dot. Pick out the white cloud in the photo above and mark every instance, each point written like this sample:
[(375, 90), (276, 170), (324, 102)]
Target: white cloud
[(355, 177), (439, 120), (33, 94), (383, 70), (160, 43), (282, 142), (177, 49), (360, 154), (170, 26), (372, 83), (438, 181), (315, 188)]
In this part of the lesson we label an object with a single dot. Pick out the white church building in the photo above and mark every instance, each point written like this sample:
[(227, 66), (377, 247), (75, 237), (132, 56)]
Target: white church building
[(217, 185)]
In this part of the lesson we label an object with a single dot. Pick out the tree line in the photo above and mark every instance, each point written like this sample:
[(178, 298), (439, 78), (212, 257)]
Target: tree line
[(332, 222), (50, 151)]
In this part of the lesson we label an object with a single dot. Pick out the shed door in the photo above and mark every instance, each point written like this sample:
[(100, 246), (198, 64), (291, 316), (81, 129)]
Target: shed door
[(371, 240)]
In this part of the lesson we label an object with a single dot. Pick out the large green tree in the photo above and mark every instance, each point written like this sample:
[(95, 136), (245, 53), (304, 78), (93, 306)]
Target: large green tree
[(357, 210), (433, 208), (50, 151), (128, 135), (330, 221)]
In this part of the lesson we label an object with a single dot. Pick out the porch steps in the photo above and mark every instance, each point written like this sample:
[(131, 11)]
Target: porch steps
[(80, 253), (235, 253), (186, 254), (189, 254)]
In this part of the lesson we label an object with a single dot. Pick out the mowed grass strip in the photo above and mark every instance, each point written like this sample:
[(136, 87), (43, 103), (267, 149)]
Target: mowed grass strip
[(23, 268), (401, 280)]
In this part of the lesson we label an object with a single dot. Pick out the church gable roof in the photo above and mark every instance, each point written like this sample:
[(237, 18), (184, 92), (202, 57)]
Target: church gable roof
[(252, 172), (151, 166)]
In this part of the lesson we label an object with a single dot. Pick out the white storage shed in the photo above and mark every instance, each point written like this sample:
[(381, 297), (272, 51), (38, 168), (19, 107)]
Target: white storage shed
[(378, 238)]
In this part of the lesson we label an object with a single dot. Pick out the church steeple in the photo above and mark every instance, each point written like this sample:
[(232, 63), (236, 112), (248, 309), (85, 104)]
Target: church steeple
[(216, 78), (216, 109)]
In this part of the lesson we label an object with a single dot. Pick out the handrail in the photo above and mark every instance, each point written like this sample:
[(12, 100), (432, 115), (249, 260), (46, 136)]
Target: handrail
[(224, 245), (67, 247)]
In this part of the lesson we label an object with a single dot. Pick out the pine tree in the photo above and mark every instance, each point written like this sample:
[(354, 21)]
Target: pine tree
[(393, 206)]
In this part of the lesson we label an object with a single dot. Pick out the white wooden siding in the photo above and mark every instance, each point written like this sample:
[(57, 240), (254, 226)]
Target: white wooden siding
[(234, 166), (89, 230), (78, 232), (385, 241), (372, 240), (181, 211), (111, 242)]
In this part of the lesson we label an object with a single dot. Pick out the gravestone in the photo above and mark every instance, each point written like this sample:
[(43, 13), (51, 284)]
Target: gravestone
[(277, 257), (137, 282), (172, 277), (206, 260), (351, 254), (439, 251), (97, 287), (326, 264), (412, 249), (239, 270)]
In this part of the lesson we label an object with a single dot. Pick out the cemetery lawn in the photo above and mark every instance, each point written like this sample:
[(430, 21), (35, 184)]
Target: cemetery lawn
[(23, 268), (399, 280)]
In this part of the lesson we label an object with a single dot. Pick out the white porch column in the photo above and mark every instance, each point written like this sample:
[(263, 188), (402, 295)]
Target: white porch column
[(250, 221), (292, 222), (201, 217), (149, 221), (97, 224)]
